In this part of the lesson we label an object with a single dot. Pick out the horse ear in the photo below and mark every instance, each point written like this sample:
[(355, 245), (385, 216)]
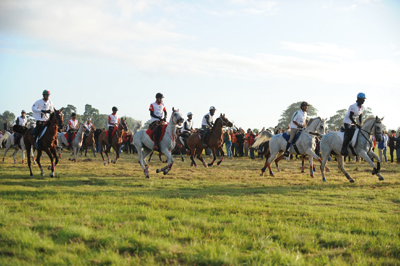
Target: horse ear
[(382, 118), (173, 109)]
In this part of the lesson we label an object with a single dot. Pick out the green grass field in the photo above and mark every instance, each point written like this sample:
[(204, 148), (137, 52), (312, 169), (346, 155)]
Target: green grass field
[(225, 215)]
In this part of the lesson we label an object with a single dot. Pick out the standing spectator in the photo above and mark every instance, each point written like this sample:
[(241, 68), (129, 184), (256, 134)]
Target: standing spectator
[(398, 148), (251, 142), (234, 143), (392, 138), (228, 143), (246, 142), (382, 147), (240, 141)]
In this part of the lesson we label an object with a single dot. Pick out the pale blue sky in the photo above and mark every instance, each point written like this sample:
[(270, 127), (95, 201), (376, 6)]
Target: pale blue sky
[(249, 59)]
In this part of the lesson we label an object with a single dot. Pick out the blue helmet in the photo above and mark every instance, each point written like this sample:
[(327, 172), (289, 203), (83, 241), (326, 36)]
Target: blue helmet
[(361, 95)]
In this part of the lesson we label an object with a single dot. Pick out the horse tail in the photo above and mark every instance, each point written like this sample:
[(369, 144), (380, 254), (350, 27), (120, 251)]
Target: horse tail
[(4, 138), (262, 138)]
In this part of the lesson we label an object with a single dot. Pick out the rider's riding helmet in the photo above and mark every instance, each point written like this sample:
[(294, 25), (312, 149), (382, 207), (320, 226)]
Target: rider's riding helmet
[(23, 112), (46, 92), (114, 109), (361, 95), (190, 113), (159, 95), (304, 104), (212, 108), (73, 114)]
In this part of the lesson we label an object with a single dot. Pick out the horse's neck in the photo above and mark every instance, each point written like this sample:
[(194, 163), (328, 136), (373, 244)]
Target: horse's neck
[(368, 125), (313, 126), (218, 127)]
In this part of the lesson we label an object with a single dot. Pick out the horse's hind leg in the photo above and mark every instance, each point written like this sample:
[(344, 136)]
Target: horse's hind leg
[(371, 154), (39, 154), (14, 153), (223, 155), (28, 147), (341, 167), (280, 157)]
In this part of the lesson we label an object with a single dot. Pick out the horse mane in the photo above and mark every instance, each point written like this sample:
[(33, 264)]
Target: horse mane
[(219, 118), (367, 120), (312, 119)]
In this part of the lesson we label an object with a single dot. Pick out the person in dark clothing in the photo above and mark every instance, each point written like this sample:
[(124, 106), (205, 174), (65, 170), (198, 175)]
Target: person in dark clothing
[(240, 142), (391, 144)]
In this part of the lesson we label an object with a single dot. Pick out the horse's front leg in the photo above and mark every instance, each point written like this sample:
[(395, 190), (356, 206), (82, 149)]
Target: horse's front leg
[(39, 155), (310, 159), (371, 154), (48, 152), (117, 148), (223, 155), (215, 157)]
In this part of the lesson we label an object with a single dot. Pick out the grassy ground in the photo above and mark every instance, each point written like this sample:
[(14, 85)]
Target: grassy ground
[(224, 215)]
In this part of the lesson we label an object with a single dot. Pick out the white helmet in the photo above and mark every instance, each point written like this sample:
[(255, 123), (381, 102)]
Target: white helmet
[(190, 113), (212, 108)]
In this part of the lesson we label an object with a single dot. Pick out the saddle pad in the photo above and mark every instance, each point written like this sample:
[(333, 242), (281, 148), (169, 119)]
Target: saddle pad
[(353, 140), (113, 133), (286, 136), (73, 136), (151, 135)]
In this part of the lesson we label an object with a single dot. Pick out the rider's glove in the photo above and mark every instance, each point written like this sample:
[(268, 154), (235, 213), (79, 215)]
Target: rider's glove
[(46, 111)]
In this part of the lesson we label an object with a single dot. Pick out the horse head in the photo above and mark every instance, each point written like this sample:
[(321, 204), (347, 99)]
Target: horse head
[(123, 124), (58, 117), (225, 121), (176, 117), (378, 128), (321, 128)]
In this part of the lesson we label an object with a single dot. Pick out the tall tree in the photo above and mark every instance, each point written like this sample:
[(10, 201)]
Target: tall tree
[(67, 113), (147, 124), (336, 120), (287, 114), (91, 112), (8, 117)]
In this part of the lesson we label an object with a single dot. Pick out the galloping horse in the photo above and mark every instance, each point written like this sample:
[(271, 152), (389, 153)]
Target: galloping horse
[(10, 143), (142, 140), (48, 141), (305, 143), (116, 141), (215, 140), (332, 143), (76, 143), (89, 142)]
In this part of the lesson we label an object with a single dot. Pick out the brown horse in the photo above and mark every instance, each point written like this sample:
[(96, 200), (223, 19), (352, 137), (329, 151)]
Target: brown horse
[(214, 141), (89, 142), (116, 141), (47, 143)]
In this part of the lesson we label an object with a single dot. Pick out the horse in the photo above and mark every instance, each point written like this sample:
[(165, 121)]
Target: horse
[(76, 143), (332, 143), (47, 142), (116, 141), (305, 144), (215, 140), (10, 143), (141, 140), (89, 142)]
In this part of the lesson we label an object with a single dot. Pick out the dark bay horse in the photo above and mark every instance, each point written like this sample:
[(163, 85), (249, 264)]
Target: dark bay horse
[(89, 142), (47, 143), (215, 140), (116, 141)]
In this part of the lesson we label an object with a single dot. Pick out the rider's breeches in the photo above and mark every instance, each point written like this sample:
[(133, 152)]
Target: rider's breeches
[(110, 130), (293, 132)]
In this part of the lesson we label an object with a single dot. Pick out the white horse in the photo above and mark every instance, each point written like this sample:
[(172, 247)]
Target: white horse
[(76, 144), (305, 143), (142, 141), (332, 143), (10, 143)]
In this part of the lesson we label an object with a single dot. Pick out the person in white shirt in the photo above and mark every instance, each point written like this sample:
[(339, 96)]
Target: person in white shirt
[(112, 122), (158, 115), (22, 120), (41, 112), (187, 128), (298, 121), (207, 124), (355, 110), (73, 126)]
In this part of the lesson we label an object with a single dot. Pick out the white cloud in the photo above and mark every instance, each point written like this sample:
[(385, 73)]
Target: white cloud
[(349, 8), (326, 49)]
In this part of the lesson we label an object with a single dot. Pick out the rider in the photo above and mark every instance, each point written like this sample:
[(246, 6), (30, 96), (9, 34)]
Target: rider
[(207, 124), (158, 113), (298, 122), (89, 123), (113, 121), (73, 126), (22, 120), (41, 112), (187, 128), (355, 110)]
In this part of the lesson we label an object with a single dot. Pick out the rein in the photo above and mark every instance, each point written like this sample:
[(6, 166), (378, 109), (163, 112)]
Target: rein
[(369, 134)]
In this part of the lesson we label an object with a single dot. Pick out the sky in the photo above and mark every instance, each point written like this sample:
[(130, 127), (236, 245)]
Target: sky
[(250, 59)]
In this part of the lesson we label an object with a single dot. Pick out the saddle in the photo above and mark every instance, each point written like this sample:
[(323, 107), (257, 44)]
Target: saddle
[(20, 129), (286, 136), (151, 132), (72, 138), (113, 133)]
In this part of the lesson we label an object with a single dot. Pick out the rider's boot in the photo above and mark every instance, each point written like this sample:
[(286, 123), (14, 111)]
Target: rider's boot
[(345, 145), (287, 150), (203, 139)]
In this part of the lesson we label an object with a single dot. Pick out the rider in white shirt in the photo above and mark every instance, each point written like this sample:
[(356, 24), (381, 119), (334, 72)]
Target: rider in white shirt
[(73, 126), (22, 120), (112, 122), (158, 115), (355, 110), (187, 128), (41, 112), (298, 121), (207, 124)]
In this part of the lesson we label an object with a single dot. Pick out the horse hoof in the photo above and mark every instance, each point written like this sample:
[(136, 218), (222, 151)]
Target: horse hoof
[(351, 181), (49, 168), (183, 160), (166, 172), (302, 171), (158, 170), (52, 175), (42, 174), (219, 163), (381, 178)]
